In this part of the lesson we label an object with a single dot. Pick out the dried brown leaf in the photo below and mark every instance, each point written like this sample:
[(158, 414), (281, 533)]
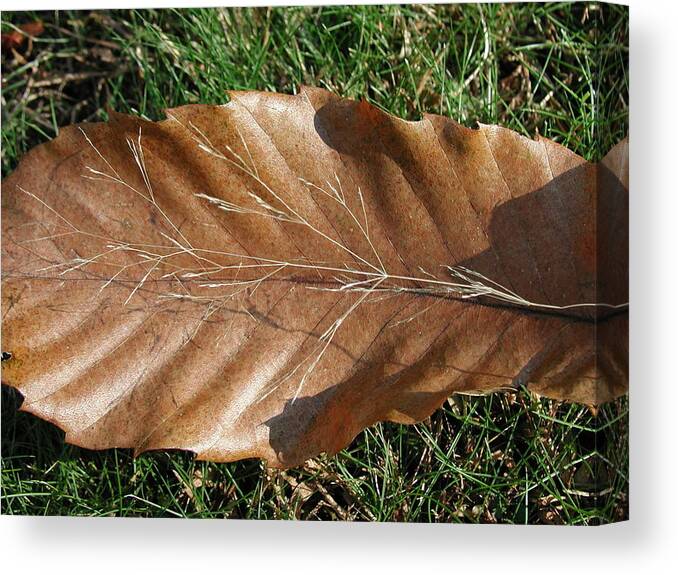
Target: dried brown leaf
[(15, 39), (269, 277)]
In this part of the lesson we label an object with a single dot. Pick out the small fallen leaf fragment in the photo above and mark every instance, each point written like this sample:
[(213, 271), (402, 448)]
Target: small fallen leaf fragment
[(15, 39)]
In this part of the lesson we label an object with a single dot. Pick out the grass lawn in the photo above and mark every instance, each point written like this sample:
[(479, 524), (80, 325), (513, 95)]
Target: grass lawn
[(559, 70)]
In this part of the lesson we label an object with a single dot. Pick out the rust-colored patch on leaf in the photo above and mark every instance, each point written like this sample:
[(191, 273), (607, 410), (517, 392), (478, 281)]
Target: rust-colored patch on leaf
[(269, 277)]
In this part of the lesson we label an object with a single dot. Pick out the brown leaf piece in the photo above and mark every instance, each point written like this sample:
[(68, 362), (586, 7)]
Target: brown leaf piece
[(15, 39), (269, 277)]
